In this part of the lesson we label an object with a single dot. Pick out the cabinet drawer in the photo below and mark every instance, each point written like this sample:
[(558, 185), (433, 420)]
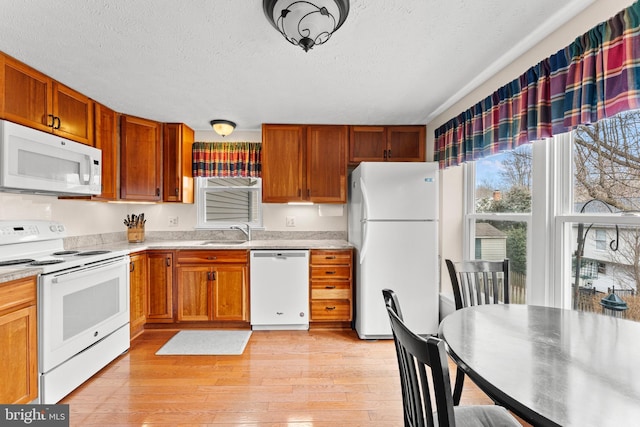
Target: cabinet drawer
[(330, 257), (330, 272), (330, 290), (331, 310), (17, 293), (210, 257)]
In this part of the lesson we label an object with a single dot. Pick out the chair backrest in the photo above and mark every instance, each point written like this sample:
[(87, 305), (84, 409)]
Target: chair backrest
[(479, 282), (415, 354)]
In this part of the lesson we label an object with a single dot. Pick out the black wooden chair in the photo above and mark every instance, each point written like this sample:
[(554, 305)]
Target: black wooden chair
[(415, 354), (477, 282)]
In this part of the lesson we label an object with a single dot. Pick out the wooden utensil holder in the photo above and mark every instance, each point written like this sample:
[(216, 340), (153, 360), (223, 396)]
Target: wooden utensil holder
[(135, 235)]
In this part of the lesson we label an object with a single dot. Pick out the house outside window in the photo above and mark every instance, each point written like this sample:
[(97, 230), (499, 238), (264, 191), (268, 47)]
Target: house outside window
[(583, 183)]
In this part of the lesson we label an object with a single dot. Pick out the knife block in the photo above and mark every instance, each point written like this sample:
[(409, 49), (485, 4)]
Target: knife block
[(135, 235)]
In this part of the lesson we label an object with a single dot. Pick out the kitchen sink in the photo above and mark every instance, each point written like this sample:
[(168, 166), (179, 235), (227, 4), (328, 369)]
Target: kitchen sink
[(223, 242)]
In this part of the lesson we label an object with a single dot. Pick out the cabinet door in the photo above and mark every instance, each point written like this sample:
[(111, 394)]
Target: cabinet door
[(26, 96), (140, 159), (138, 295), (177, 165), (160, 287), (230, 293), (406, 143), (367, 144), (194, 293), (74, 114), (18, 341), (106, 139), (327, 164), (282, 163)]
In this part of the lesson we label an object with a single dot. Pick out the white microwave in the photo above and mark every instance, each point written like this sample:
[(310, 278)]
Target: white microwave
[(32, 161)]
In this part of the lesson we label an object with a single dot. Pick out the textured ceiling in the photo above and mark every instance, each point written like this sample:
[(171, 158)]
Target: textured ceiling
[(392, 62)]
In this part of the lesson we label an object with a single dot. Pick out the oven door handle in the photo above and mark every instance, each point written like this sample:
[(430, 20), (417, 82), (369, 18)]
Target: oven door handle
[(86, 271)]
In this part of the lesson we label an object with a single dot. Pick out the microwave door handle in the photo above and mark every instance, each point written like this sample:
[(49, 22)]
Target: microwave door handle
[(85, 170)]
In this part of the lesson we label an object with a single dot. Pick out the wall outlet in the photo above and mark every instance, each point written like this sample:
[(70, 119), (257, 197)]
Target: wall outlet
[(291, 221), (173, 221)]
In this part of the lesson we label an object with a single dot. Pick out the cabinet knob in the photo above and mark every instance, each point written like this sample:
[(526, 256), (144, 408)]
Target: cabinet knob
[(131, 267), (157, 191), (168, 262)]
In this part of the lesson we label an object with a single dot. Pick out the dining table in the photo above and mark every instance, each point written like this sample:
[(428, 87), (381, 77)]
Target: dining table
[(550, 366)]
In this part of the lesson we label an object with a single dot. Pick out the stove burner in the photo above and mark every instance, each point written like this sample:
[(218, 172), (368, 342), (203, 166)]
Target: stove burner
[(47, 262), (88, 253), (65, 253), (16, 261)]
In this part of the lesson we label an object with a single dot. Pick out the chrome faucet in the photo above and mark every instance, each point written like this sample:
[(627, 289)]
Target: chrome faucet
[(246, 232)]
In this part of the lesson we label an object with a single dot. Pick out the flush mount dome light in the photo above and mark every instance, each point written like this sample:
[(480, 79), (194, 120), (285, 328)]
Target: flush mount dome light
[(223, 127), (305, 23)]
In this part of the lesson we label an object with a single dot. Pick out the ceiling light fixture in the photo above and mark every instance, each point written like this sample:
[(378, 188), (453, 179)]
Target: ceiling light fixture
[(304, 23), (223, 127)]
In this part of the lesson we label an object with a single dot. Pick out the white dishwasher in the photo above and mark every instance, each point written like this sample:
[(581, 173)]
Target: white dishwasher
[(279, 289)]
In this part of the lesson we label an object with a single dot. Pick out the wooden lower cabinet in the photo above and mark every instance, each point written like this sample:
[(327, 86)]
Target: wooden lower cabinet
[(212, 286), (138, 293), (331, 287), (160, 287), (18, 341)]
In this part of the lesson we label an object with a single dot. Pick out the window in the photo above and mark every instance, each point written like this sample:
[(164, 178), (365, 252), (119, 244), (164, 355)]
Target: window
[(601, 240), (499, 212), (222, 202)]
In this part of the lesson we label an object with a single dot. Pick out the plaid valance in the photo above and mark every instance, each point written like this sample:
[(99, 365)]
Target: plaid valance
[(226, 159), (597, 76)]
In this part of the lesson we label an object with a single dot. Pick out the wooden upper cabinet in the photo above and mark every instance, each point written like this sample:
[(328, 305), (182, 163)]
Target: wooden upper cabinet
[(387, 144), (26, 95), (106, 139), (282, 163), (140, 159), (304, 163), (406, 143), (367, 144), (33, 99), (73, 114), (177, 163), (327, 164)]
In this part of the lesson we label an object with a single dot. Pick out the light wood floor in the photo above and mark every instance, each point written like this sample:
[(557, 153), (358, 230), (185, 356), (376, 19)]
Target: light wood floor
[(284, 378)]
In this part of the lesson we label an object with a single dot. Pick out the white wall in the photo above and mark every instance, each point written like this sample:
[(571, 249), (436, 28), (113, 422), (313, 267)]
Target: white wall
[(452, 182)]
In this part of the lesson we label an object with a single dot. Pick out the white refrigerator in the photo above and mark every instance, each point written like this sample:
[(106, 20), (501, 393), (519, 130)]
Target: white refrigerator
[(393, 224)]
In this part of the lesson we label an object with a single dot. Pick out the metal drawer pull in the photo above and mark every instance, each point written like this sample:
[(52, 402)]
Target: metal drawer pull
[(330, 272), (329, 287), (330, 257), (331, 308)]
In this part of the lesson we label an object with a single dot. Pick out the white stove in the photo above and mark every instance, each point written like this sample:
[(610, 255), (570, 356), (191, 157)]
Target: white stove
[(82, 303), (41, 244)]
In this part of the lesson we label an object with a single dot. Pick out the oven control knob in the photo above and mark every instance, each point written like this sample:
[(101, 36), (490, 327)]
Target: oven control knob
[(61, 228), (53, 228)]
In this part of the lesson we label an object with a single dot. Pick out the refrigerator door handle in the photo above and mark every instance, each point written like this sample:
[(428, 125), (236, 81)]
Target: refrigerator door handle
[(365, 217), (365, 241), (365, 200)]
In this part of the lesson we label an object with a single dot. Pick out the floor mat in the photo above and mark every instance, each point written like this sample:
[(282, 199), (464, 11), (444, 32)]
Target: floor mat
[(206, 343)]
